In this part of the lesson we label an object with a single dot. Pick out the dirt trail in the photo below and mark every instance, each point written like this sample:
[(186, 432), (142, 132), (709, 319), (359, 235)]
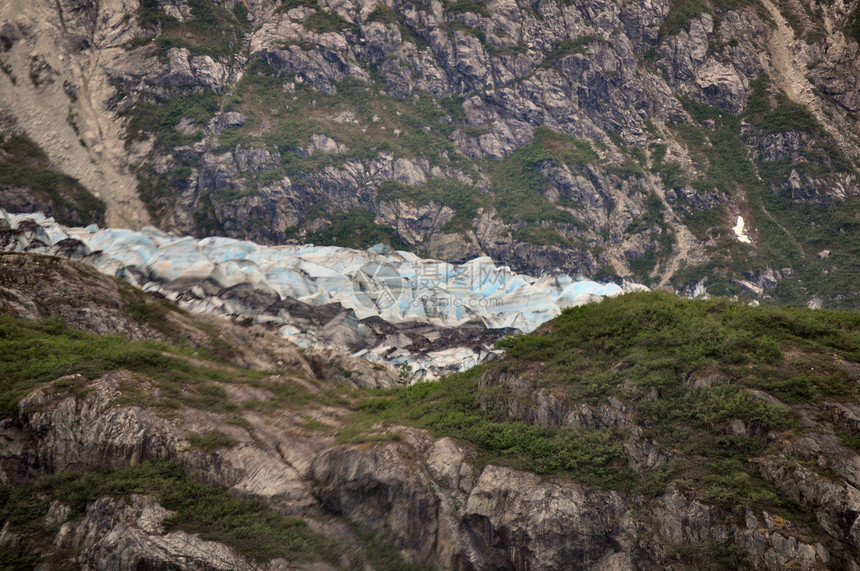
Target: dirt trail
[(790, 75), (686, 248), (787, 74)]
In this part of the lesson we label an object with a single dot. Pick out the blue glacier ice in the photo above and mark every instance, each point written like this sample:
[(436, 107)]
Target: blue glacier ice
[(215, 274)]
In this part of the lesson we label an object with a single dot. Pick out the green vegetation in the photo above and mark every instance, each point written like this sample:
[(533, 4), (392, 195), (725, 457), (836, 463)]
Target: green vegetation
[(383, 14), (758, 101), (685, 367), (404, 127), (653, 215), (820, 227), (322, 22), (786, 236), (464, 200), (24, 164), (728, 164), (356, 229), (789, 116), (670, 171), (705, 224), (212, 30), (682, 11), (712, 556), (210, 441), (34, 353), (150, 15), (450, 407), (730, 171), (853, 28), (161, 117), (287, 5), (255, 530), (383, 556), (462, 6), (680, 14), (568, 47), (518, 183), (652, 220)]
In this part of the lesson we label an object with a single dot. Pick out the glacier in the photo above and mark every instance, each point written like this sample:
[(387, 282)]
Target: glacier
[(326, 296)]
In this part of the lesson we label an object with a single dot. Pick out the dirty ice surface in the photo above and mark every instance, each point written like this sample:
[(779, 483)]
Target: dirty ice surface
[(245, 280)]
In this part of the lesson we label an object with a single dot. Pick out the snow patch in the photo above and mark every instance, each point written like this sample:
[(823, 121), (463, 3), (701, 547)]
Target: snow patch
[(740, 231)]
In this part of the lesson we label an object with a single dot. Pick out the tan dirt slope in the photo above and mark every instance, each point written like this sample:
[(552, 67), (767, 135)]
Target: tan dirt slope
[(59, 94)]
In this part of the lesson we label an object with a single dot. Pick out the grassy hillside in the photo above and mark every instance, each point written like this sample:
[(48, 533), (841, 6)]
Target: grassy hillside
[(687, 369), (686, 372), (709, 388)]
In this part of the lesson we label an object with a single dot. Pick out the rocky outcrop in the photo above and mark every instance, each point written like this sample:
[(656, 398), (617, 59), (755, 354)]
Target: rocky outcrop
[(116, 533), (424, 494)]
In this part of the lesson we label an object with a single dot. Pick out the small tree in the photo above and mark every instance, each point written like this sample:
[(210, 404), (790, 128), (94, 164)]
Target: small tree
[(404, 374)]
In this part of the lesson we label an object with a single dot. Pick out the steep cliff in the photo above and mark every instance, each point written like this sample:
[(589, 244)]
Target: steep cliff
[(704, 435), (677, 142)]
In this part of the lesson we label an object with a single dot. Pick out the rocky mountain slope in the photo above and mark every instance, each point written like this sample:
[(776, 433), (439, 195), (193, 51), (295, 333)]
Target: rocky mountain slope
[(678, 142), (642, 432)]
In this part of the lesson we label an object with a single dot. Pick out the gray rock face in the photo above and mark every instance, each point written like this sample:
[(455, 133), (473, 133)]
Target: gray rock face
[(837, 72), (583, 525), (33, 288), (420, 492), (115, 534), (352, 96)]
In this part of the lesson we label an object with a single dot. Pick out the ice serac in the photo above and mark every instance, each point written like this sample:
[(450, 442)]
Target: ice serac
[(379, 304)]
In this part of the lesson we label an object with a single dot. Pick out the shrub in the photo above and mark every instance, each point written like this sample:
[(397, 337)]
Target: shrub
[(356, 229), (322, 21), (518, 183), (789, 116), (679, 15), (384, 14), (463, 6), (568, 47), (210, 441)]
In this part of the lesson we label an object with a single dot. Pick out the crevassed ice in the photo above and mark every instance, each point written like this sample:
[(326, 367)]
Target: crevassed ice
[(396, 286)]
